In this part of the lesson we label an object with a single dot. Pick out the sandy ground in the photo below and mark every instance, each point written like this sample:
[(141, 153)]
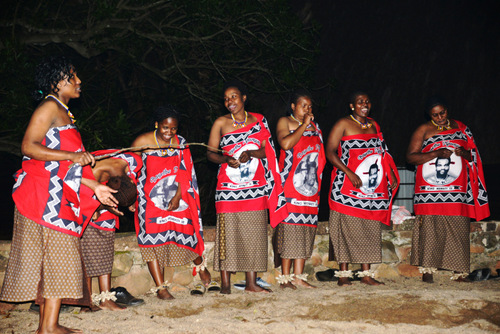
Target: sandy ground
[(405, 305)]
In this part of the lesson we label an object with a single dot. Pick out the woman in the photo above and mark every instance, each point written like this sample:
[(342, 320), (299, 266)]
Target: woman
[(302, 160), (364, 179), (247, 184), (45, 262), (167, 218), (449, 190)]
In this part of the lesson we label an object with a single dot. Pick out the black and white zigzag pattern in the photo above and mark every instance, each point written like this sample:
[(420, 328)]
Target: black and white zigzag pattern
[(108, 223), (302, 218), (337, 196), (231, 195), (168, 236), (53, 206), (458, 135)]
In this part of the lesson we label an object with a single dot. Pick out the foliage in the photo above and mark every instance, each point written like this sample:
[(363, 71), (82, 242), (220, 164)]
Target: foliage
[(133, 55)]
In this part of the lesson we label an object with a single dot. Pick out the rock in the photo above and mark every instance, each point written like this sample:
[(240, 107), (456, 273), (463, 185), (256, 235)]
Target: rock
[(408, 270), (122, 263), (137, 281), (403, 252), (184, 277), (476, 249), (389, 252), (315, 259), (386, 271)]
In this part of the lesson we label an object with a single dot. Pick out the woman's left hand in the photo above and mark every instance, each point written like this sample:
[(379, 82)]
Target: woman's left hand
[(462, 152), (105, 195), (245, 156)]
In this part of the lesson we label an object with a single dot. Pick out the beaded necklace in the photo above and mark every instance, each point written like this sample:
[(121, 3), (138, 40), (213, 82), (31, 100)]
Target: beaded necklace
[(300, 123), (442, 127), (239, 125), (64, 106), (163, 152), (364, 126)]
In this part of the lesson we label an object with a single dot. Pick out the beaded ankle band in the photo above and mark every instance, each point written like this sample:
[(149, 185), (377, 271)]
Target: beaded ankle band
[(199, 267), (155, 290), (455, 277), (343, 273), (366, 273), (427, 270), (284, 279), (302, 277), (97, 298)]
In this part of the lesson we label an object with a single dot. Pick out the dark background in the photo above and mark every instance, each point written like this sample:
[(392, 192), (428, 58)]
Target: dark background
[(399, 52)]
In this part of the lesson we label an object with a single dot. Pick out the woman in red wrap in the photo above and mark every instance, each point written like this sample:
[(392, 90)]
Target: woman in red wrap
[(45, 262), (248, 183), (449, 191), (167, 218), (302, 160), (364, 180)]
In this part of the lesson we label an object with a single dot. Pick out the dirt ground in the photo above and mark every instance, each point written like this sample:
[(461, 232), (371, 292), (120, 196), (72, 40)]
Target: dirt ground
[(405, 305)]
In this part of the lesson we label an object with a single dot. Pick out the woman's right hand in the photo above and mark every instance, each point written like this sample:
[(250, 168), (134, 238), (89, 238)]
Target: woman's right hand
[(232, 162), (355, 179), (83, 158), (443, 153)]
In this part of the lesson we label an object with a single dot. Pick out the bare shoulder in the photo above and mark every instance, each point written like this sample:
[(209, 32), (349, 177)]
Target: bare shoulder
[(144, 139), (48, 111)]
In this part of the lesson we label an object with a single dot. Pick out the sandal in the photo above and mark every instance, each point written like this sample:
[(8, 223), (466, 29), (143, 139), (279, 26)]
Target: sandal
[(198, 290), (213, 286)]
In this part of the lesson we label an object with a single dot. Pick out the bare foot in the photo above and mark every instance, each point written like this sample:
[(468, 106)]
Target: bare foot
[(303, 284), (164, 294), (463, 280), (344, 281), (111, 305), (370, 281), (288, 285), (58, 329), (92, 308), (427, 278), (205, 276), (257, 288), (225, 290)]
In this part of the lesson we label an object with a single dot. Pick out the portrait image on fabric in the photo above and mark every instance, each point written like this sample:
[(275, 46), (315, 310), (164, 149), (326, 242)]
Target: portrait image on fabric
[(245, 171), (164, 191), (305, 178), (441, 171), (370, 172)]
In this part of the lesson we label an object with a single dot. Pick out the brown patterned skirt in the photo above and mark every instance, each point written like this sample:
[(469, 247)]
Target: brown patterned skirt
[(98, 247), (355, 240), (44, 263), (294, 241), (169, 255), (441, 242), (241, 241)]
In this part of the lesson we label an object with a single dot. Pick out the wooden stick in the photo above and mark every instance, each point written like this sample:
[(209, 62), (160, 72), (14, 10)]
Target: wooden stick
[(148, 147)]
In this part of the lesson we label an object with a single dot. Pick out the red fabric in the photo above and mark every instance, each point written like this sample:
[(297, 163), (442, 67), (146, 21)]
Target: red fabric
[(48, 192), (359, 153), (162, 175), (448, 195), (261, 185), (309, 150)]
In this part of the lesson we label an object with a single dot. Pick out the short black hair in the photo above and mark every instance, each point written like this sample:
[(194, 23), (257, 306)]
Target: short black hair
[(353, 96), (127, 190), (164, 112), (295, 96), (49, 73), (435, 100), (237, 84)]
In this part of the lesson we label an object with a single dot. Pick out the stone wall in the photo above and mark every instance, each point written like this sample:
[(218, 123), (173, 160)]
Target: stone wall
[(131, 272)]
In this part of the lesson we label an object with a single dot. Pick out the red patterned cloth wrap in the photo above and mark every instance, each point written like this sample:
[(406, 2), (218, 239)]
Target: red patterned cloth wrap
[(161, 174), (454, 186), (256, 184), (108, 221), (368, 157), (301, 173), (49, 192)]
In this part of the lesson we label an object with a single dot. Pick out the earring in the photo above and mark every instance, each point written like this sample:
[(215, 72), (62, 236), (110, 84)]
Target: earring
[(352, 108), (156, 126)]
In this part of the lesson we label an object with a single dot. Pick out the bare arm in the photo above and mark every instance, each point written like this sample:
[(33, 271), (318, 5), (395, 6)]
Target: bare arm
[(286, 139), (46, 116), (259, 154), (174, 202), (332, 145), (213, 141), (103, 193), (414, 153)]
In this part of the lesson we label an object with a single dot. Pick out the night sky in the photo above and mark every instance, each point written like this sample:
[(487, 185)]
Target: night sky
[(401, 52)]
